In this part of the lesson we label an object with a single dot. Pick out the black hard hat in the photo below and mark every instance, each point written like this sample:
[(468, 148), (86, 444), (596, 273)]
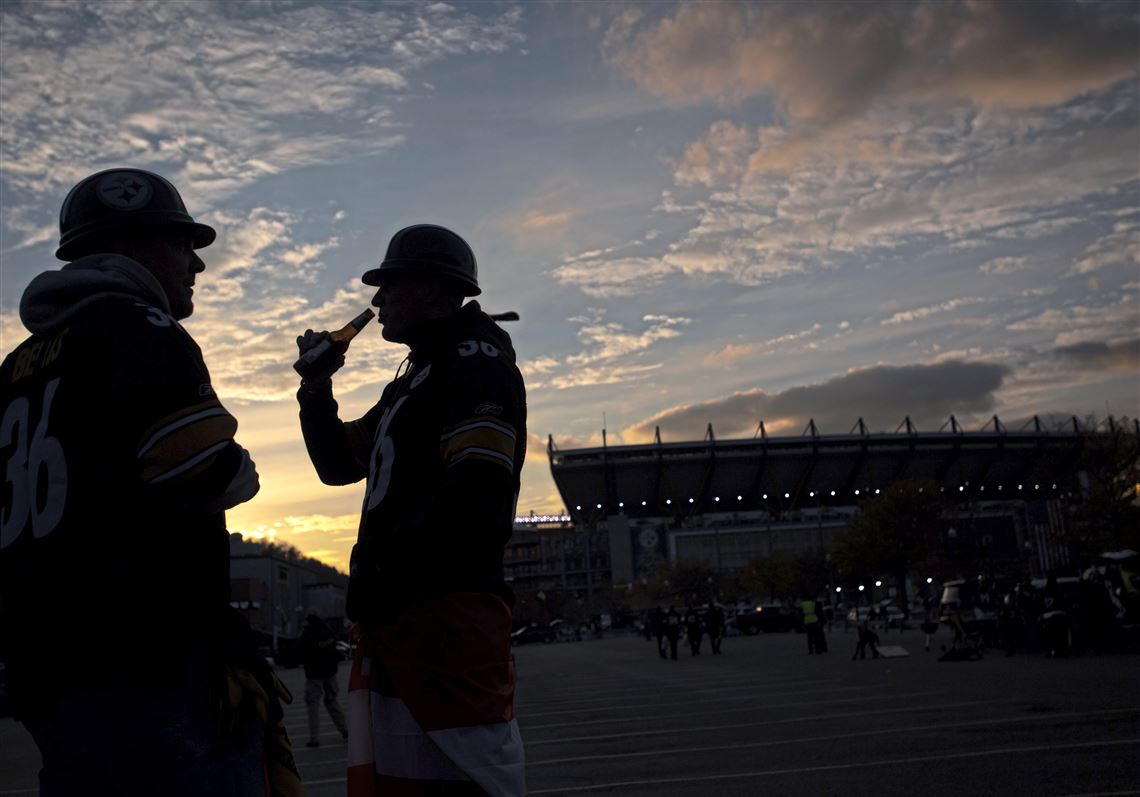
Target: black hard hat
[(429, 248), (119, 198)]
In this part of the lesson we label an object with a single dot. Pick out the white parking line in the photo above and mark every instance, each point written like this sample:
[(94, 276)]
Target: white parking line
[(713, 684), (838, 767), (750, 695), (795, 704), (816, 738), (595, 737)]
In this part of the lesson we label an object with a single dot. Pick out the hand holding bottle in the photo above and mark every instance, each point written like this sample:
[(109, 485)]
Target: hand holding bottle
[(322, 353)]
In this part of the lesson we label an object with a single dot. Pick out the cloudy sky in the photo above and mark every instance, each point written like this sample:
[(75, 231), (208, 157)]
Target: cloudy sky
[(706, 212)]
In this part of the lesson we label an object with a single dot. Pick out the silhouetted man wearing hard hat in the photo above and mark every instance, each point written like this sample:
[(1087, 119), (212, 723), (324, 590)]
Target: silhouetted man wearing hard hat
[(114, 559), (431, 696)]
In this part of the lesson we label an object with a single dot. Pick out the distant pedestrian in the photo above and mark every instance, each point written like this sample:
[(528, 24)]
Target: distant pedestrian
[(929, 627), (657, 624), (319, 657), (714, 624), (813, 628), (867, 638), (673, 630), (693, 630)]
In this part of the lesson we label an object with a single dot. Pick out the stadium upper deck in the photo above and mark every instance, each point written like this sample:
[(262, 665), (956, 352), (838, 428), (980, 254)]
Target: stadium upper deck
[(780, 474)]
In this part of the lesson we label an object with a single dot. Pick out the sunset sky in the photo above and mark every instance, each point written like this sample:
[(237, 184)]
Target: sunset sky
[(703, 212)]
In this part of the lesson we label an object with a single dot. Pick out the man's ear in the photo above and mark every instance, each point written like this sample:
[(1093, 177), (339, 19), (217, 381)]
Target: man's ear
[(445, 293)]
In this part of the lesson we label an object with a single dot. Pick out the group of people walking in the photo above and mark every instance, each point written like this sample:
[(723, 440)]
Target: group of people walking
[(668, 625)]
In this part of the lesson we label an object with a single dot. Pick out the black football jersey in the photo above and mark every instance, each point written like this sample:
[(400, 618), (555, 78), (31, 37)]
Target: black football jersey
[(442, 452), (111, 442)]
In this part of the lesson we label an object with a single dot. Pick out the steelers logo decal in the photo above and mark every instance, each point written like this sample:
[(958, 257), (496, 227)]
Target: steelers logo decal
[(124, 190)]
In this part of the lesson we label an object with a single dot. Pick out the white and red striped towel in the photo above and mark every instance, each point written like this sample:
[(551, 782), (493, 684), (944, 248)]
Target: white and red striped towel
[(431, 702)]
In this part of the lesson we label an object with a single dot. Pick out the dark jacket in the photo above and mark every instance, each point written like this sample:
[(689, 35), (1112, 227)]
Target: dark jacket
[(122, 460), (714, 620), (318, 650), (442, 451)]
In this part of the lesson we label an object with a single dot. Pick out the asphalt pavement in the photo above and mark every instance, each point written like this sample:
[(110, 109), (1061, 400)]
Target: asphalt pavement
[(609, 716)]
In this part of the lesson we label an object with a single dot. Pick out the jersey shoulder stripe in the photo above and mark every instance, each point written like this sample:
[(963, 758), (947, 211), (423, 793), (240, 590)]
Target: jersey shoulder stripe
[(493, 424), (178, 420), (495, 437), (191, 465), (485, 455), (183, 440)]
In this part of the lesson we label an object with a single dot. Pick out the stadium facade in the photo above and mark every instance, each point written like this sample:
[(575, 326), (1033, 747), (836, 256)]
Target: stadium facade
[(631, 507)]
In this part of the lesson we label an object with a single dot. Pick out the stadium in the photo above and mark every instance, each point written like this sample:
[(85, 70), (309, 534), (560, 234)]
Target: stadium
[(724, 502)]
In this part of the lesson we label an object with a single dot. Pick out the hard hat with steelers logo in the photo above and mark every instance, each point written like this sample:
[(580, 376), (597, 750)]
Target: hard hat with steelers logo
[(118, 199), (425, 249)]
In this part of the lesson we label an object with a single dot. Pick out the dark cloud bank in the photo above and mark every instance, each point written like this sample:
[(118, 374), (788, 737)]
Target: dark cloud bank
[(883, 395)]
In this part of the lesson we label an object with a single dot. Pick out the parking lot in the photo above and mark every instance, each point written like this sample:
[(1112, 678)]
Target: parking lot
[(610, 717)]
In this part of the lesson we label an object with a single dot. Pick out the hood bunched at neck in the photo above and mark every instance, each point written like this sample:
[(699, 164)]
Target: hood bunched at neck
[(469, 323), (54, 296)]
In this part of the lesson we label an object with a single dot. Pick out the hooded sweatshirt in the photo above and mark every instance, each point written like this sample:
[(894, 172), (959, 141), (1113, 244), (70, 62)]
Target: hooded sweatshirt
[(121, 461), (442, 452)]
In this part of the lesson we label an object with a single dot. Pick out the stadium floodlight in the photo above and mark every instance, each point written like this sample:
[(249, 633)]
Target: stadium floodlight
[(717, 499), (999, 487), (929, 580), (811, 494), (1054, 487), (579, 507), (599, 506), (741, 497), (876, 491), (878, 583), (860, 587), (621, 504), (856, 492), (787, 495), (644, 503), (765, 496), (833, 493), (839, 589), (1019, 486), (1037, 487), (669, 501), (690, 500)]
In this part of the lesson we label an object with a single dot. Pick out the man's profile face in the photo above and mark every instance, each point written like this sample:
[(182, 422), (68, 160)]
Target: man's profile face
[(170, 256), (402, 301)]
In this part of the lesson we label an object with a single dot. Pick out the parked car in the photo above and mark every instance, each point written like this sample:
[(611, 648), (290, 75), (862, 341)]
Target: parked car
[(769, 618), (891, 615), (533, 632), (886, 612)]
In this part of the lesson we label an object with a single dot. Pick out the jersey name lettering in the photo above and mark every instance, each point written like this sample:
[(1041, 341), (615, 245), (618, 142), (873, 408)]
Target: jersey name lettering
[(38, 355)]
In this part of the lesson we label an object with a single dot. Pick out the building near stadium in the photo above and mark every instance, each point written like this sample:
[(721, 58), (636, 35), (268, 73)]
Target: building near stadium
[(631, 507)]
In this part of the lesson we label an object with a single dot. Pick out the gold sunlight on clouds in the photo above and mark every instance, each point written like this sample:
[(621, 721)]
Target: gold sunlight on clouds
[(538, 221)]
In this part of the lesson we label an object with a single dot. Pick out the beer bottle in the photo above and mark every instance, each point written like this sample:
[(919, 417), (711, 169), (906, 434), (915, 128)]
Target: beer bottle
[(317, 359)]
